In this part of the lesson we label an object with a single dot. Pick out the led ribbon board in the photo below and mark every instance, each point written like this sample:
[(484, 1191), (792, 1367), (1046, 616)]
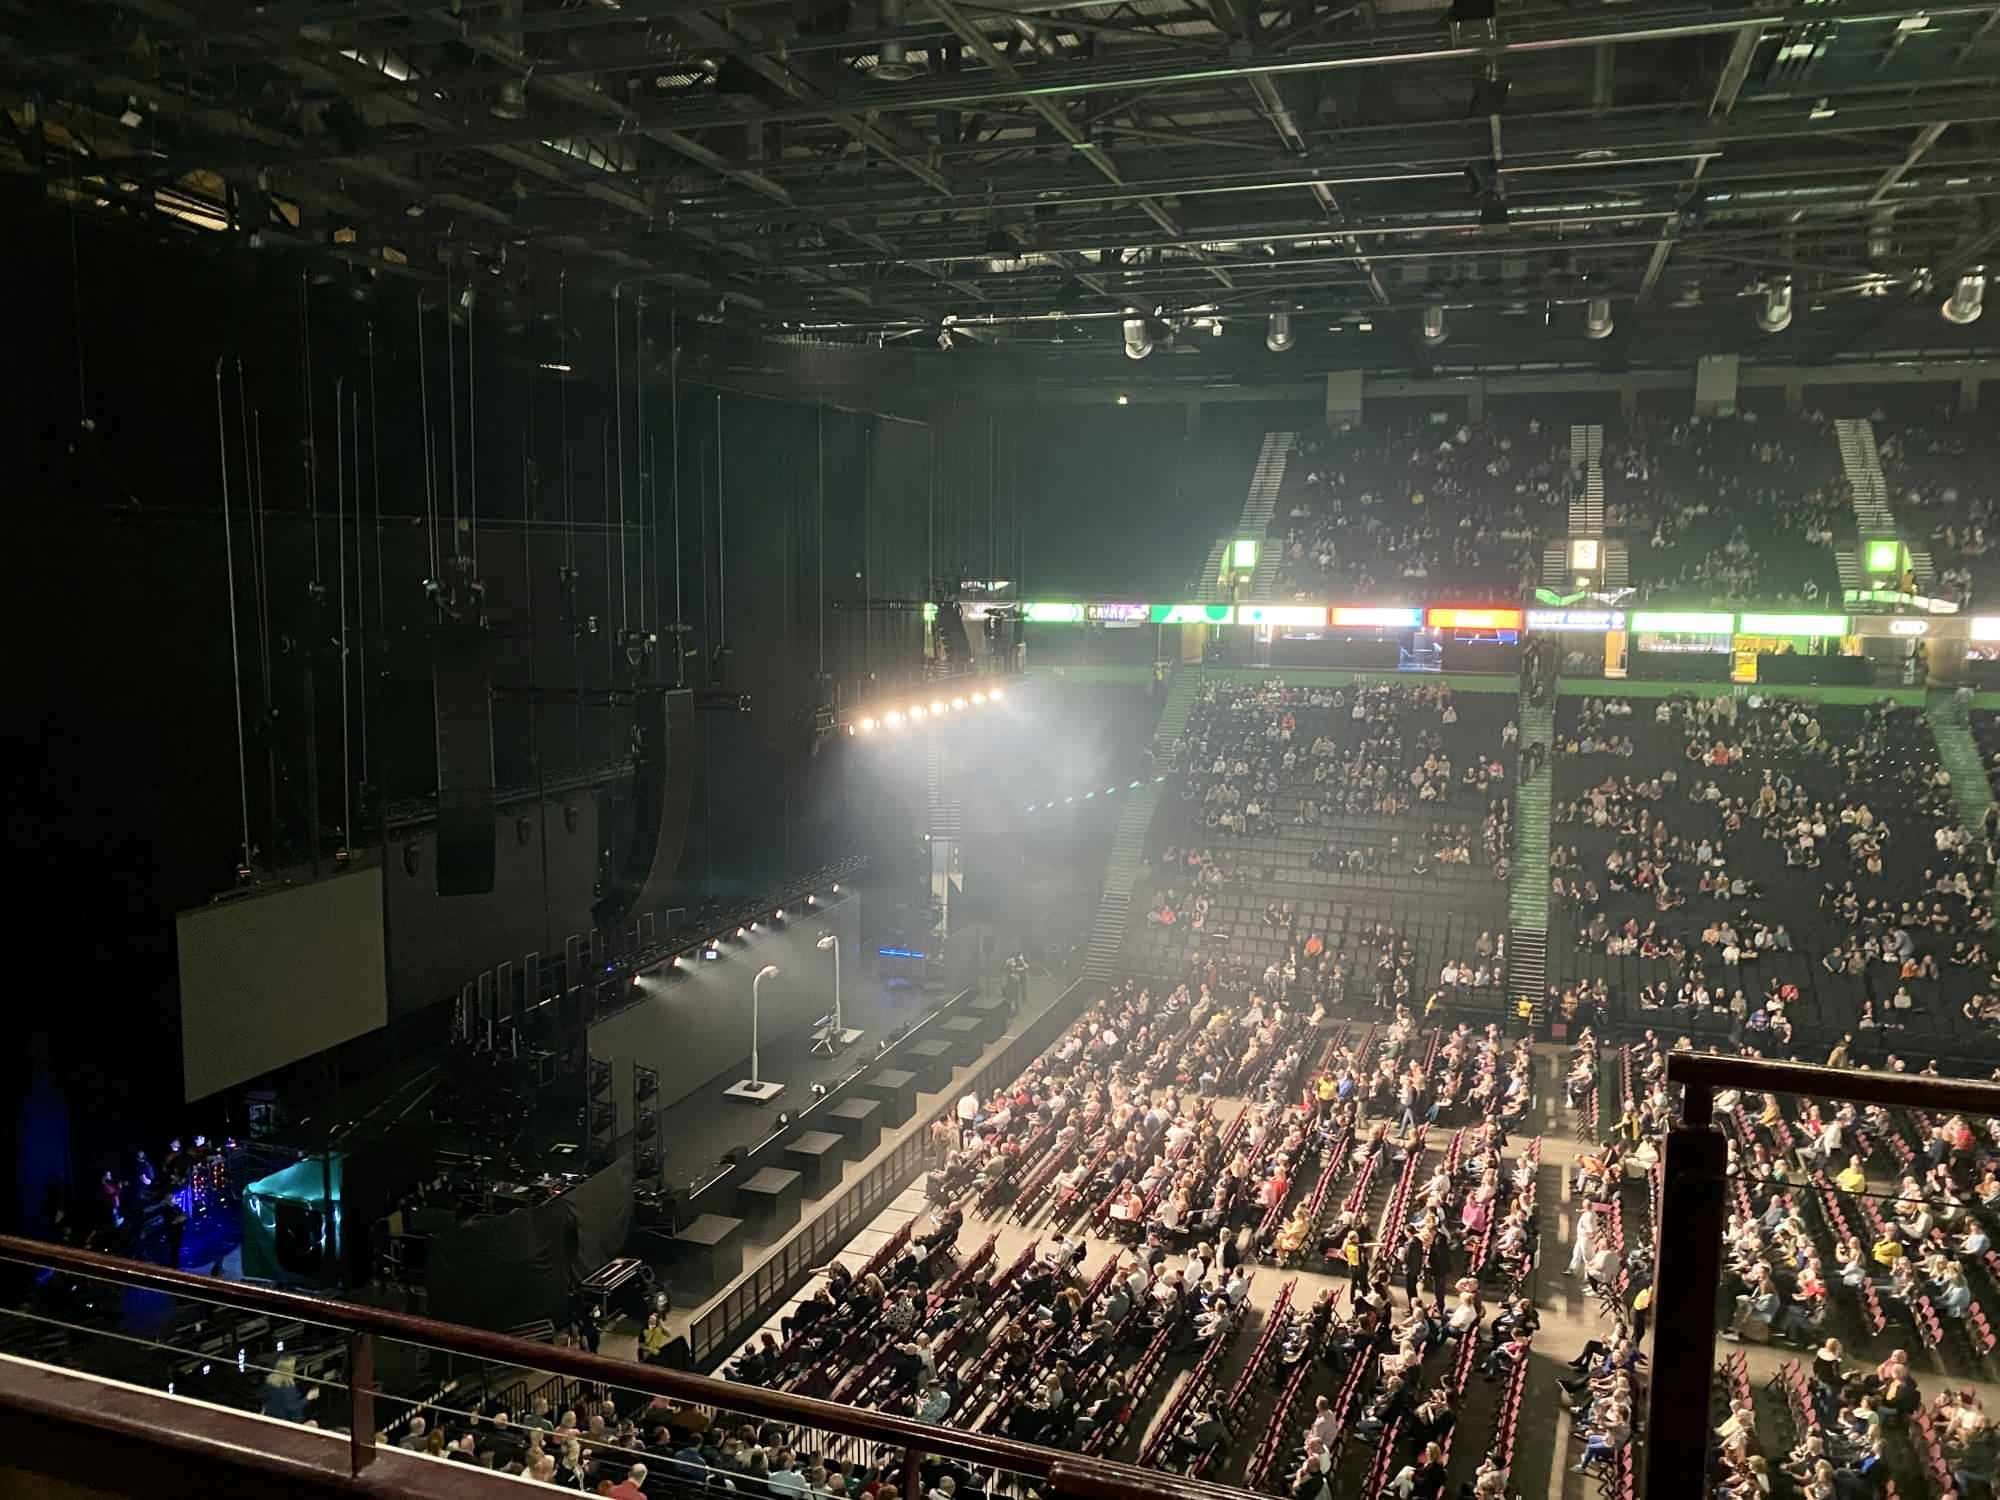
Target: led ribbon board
[(1380, 617), (1194, 614), (1281, 614), (1796, 625), (1671, 622), (1117, 614), (1454, 618), (1576, 619), (1052, 614)]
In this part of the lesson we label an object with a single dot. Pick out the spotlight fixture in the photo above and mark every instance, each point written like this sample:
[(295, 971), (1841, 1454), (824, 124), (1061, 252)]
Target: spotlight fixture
[(1597, 321), (819, 1091), (1123, 399), (511, 103), (993, 693), (1138, 340), (1278, 335), (957, 703), (778, 915), (978, 697), (894, 720), (937, 706), (916, 710), (743, 932), (1433, 332), (1775, 315), (1968, 299), (836, 888), (867, 726)]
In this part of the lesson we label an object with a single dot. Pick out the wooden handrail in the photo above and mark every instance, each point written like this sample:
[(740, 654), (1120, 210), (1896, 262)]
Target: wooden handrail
[(1704, 1072), (1068, 1474)]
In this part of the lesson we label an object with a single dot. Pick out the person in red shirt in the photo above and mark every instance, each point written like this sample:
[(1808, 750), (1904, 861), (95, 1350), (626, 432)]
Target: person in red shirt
[(632, 1486)]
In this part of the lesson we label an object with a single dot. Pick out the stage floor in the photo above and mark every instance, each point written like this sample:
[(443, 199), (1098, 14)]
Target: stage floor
[(707, 1123), (737, 1123)]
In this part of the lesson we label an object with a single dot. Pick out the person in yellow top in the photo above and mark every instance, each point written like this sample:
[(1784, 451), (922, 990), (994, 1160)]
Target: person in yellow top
[(1771, 1114), (1851, 1179), (1888, 1249)]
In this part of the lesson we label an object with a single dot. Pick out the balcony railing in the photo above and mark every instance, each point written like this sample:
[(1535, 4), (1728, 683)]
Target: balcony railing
[(133, 1327), (1696, 1198)]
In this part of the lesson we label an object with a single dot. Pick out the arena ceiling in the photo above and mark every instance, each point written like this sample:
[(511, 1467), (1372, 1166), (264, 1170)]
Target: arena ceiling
[(1034, 173)]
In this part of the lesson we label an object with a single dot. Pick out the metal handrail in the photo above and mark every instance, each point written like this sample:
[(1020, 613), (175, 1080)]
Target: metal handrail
[(1705, 1072), (1066, 1473), (1692, 1200)]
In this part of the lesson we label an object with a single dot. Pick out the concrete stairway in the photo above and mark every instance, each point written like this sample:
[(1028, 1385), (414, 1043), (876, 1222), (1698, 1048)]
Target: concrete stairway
[(1208, 586), (1617, 565), (1528, 889), (1260, 507), (1861, 460)]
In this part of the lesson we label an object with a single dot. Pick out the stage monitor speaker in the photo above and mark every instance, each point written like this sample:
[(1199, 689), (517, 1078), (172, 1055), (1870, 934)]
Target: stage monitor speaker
[(662, 789), (462, 695)]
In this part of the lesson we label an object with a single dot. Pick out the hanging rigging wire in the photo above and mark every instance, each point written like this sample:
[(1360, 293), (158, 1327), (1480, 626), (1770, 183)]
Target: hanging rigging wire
[(472, 428), (639, 441), (340, 546), (261, 514), (430, 458), (674, 405), (360, 583), (83, 419), (568, 468), (451, 375), (312, 439), (618, 398), (375, 460), (235, 650)]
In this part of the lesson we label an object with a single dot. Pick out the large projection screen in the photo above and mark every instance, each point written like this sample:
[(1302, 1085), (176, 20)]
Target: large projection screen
[(272, 978)]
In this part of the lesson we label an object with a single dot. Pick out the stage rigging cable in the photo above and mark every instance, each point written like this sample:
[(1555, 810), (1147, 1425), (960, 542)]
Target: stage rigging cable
[(235, 649)]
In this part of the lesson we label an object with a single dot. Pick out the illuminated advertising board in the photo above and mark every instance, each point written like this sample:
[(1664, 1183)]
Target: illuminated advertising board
[(1456, 618), (1382, 617), (1117, 614), (1794, 625), (1281, 614), (1586, 554), (1683, 622), (1052, 614), (1243, 555), (1194, 614), (1576, 619)]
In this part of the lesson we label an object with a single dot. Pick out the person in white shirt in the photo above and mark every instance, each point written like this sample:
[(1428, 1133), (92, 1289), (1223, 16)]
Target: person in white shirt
[(1325, 1424), (1586, 1230)]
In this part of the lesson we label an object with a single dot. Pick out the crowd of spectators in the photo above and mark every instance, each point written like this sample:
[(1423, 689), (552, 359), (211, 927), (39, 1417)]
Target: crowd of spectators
[(1701, 500), (1413, 512), (1938, 475)]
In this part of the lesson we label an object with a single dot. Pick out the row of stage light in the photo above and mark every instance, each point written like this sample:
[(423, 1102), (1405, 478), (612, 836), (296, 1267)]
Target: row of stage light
[(711, 948), (893, 719), (1110, 791)]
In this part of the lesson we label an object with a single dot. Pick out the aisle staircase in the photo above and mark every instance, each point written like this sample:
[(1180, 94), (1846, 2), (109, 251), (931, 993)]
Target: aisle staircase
[(1528, 889), (1260, 506), (1122, 874), (1586, 462), (1959, 752), (1182, 690), (1861, 461), (1208, 587)]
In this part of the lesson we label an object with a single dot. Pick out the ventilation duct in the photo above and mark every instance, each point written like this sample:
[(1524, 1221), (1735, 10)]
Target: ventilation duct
[(1775, 316), (894, 65), (1433, 332), (1968, 299), (1597, 322), (1138, 338), (1278, 338)]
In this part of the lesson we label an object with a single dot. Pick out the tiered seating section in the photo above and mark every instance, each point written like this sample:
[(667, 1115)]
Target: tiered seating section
[(1347, 844), (1435, 510), (1716, 510)]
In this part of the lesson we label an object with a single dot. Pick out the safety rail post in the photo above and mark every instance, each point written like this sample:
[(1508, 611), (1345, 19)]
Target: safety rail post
[(361, 1398), (1688, 1267)]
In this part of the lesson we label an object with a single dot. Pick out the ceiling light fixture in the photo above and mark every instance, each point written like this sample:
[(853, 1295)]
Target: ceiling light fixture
[(1433, 332), (1278, 336), (1775, 315), (1138, 338), (1968, 299), (1597, 321)]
